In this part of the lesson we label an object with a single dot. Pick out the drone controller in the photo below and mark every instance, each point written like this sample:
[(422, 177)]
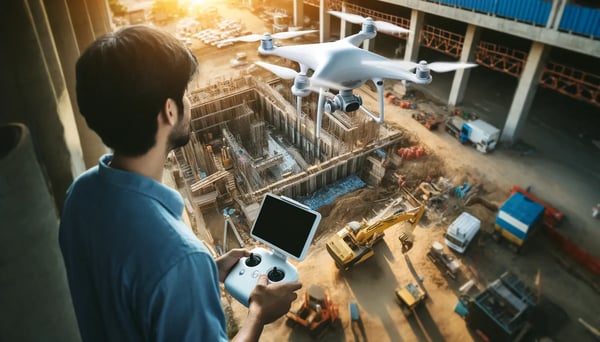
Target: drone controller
[(286, 226), (244, 275)]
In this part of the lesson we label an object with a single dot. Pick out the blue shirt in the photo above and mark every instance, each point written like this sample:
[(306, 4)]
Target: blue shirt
[(135, 270)]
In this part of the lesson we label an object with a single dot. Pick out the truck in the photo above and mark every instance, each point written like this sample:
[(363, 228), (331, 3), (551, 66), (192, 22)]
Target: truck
[(353, 244), (462, 231), (437, 255), (517, 219), (479, 133), (504, 311)]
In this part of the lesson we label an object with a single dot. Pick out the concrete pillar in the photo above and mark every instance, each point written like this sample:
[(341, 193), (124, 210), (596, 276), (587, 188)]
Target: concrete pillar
[(411, 52), (35, 297), (99, 16), (559, 14), (552, 15), (82, 23), (345, 27), (81, 20), (461, 76), (298, 13), (35, 92), (324, 22), (528, 83)]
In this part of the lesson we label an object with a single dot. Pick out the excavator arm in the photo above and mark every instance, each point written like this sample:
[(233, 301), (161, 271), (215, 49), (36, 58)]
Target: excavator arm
[(367, 233)]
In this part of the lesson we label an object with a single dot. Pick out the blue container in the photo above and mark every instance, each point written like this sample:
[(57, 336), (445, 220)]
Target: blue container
[(519, 216)]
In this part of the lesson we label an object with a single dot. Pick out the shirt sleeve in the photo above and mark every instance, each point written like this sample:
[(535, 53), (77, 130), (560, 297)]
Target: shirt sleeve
[(186, 303)]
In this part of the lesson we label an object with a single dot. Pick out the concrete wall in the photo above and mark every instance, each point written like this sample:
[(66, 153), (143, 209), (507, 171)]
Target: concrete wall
[(40, 47)]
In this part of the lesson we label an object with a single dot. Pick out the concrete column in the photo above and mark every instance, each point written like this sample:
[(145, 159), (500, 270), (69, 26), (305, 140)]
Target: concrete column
[(82, 24), (35, 92), (461, 76), (528, 83), (552, 15), (324, 23), (81, 20), (35, 297), (99, 16), (298, 13), (411, 52), (559, 14), (367, 44), (345, 27)]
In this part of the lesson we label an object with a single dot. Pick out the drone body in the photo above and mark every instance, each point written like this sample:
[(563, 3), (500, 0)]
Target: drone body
[(342, 65)]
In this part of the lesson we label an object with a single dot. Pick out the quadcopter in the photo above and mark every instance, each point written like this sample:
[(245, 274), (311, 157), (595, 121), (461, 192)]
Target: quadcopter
[(343, 66)]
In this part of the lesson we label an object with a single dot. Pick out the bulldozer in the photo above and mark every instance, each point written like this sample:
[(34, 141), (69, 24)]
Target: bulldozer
[(316, 312), (354, 243), (409, 297)]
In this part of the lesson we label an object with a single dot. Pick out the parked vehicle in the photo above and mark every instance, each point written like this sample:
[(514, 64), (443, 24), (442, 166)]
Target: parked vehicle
[(462, 231), (481, 134)]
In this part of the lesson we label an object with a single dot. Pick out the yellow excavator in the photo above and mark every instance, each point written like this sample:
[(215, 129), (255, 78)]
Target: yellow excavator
[(354, 243)]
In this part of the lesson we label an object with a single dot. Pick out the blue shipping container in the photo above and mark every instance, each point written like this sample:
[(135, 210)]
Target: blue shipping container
[(519, 215)]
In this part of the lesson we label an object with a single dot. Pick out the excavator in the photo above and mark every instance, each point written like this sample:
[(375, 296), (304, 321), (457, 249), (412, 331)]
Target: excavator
[(354, 243)]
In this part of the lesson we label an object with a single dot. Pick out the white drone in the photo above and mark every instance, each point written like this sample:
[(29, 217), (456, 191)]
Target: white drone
[(342, 65)]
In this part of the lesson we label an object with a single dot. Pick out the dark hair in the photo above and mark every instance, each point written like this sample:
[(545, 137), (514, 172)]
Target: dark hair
[(123, 81)]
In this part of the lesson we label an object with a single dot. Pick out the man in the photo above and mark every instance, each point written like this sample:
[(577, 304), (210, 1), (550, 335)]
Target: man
[(136, 271)]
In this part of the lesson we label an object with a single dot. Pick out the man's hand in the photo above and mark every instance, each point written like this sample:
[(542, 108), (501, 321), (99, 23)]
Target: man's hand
[(226, 261), (271, 301)]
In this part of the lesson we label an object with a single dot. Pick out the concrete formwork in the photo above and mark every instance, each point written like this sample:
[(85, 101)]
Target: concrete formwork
[(238, 119)]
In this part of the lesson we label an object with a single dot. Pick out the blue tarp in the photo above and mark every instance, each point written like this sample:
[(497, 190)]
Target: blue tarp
[(327, 195)]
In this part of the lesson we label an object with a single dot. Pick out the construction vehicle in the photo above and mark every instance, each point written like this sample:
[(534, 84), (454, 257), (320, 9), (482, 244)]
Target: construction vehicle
[(481, 134), (437, 255), (462, 231), (354, 243), (502, 312), (316, 312), (430, 121), (409, 297)]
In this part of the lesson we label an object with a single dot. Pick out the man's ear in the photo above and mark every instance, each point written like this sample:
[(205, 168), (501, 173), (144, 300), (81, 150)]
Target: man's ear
[(170, 113)]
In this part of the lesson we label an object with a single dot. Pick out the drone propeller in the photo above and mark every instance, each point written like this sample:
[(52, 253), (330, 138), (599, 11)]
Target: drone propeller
[(278, 35), (381, 26), (407, 65)]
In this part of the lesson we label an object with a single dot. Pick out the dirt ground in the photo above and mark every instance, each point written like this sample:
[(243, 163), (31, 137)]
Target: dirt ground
[(568, 291)]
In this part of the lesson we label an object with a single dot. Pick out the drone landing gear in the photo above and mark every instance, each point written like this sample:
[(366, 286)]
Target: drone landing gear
[(379, 118)]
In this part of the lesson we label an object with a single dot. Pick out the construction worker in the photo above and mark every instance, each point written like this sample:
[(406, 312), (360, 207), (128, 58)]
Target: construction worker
[(136, 271)]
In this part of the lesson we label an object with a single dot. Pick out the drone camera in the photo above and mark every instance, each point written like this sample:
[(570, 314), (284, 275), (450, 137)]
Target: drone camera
[(346, 102)]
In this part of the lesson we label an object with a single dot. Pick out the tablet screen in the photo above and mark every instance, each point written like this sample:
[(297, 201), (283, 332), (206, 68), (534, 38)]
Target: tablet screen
[(285, 226)]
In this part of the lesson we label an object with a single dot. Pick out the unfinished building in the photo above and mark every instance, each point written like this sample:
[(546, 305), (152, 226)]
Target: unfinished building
[(248, 139)]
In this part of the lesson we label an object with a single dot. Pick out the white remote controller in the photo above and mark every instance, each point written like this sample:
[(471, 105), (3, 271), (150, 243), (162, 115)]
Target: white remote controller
[(243, 277)]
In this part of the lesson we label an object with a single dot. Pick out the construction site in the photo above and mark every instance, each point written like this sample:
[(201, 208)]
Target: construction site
[(247, 139), (250, 136), (470, 212)]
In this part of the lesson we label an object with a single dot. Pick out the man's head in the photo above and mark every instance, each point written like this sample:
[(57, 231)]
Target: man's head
[(125, 79)]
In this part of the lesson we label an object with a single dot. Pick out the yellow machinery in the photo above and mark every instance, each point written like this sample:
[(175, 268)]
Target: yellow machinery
[(353, 244), (409, 297)]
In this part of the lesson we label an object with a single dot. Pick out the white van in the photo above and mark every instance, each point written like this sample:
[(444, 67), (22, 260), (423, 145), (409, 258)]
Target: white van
[(462, 231)]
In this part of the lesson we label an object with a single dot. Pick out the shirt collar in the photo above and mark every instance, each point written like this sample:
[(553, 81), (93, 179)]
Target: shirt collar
[(146, 186)]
